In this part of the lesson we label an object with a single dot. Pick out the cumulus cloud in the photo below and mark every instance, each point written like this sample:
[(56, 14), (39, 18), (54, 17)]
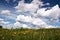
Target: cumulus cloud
[(8, 14), (50, 26), (52, 13), (5, 12), (32, 20), (44, 12), (25, 26), (32, 7), (19, 25), (12, 17), (35, 21), (24, 18), (1, 19), (38, 14), (5, 24)]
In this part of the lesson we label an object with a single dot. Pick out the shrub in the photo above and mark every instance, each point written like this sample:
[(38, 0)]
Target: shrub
[(0, 26)]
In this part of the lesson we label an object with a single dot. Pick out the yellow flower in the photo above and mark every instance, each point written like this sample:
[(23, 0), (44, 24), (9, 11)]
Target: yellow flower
[(27, 31), (43, 32), (24, 33), (15, 33)]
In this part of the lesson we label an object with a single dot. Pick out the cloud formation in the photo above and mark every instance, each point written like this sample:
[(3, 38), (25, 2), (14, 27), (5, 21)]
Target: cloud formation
[(5, 24), (53, 13), (31, 15), (38, 14), (5, 12), (32, 7), (20, 25)]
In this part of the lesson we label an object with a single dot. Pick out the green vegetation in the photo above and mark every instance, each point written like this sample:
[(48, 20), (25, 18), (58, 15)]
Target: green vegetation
[(30, 34)]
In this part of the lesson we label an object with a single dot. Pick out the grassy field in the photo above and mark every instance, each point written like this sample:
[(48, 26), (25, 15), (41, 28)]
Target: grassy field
[(30, 34)]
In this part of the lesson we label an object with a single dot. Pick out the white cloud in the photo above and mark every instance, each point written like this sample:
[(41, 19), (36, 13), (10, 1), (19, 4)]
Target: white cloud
[(5, 24), (37, 15), (35, 21), (8, 26), (1, 19), (24, 18), (8, 14), (19, 25), (11, 17), (52, 13), (20, 7), (32, 20), (42, 12), (5, 12), (25, 26), (50, 26), (32, 7)]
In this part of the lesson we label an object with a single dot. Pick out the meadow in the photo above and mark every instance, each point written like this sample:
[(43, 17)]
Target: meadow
[(30, 34)]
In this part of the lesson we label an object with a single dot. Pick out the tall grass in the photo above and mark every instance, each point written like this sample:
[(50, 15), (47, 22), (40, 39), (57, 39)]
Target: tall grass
[(30, 34)]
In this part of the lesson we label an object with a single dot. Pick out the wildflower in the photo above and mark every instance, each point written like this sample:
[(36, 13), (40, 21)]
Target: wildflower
[(24, 33), (43, 32), (27, 31), (15, 33)]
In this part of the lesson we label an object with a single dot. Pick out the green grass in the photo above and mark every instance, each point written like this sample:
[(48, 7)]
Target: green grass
[(30, 34)]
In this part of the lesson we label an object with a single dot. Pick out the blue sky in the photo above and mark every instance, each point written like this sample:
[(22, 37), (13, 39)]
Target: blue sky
[(30, 13)]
